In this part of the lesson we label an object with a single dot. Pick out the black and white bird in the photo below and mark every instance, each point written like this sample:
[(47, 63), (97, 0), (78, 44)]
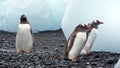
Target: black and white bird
[(24, 38), (76, 42), (91, 36)]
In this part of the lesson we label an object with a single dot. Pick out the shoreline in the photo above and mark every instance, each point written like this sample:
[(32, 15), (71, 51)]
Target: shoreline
[(48, 45)]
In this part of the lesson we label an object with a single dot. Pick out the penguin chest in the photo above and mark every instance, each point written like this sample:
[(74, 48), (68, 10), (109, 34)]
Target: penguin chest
[(91, 37), (24, 37), (93, 33), (78, 44)]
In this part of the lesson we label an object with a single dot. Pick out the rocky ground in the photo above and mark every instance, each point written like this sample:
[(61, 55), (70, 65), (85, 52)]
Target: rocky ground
[(48, 46)]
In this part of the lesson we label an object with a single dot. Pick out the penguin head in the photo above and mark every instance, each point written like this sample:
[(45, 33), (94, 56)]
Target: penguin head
[(95, 24), (23, 19), (81, 26), (99, 22)]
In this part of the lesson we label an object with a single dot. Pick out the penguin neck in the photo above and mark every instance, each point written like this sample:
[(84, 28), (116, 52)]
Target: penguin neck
[(94, 25), (82, 30), (24, 22)]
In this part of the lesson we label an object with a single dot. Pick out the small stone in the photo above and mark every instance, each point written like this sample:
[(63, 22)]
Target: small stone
[(43, 42), (63, 39), (101, 67), (6, 41), (88, 67), (61, 45), (54, 34), (3, 39), (45, 47), (88, 63), (73, 67), (56, 49), (110, 61), (94, 63), (53, 41)]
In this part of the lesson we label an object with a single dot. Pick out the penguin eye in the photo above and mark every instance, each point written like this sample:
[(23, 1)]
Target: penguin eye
[(85, 25), (97, 21), (82, 24)]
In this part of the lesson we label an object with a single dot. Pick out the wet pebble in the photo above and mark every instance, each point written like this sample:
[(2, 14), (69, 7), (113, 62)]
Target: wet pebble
[(61, 45), (45, 47), (53, 41), (110, 61), (43, 42), (88, 67), (3, 40), (54, 34), (94, 63)]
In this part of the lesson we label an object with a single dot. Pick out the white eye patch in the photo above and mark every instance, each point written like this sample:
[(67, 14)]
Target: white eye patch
[(82, 24)]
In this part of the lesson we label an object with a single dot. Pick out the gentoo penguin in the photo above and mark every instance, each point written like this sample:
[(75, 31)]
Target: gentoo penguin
[(76, 42), (117, 65), (24, 38), (91, 35)]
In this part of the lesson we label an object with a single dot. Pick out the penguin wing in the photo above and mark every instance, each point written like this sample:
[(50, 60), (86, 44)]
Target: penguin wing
[(31, 31), (32, 36), (69, 44)]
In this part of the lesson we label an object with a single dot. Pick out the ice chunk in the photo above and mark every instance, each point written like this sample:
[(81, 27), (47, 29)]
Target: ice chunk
[(42, 14), (85, 11), (117, 65)]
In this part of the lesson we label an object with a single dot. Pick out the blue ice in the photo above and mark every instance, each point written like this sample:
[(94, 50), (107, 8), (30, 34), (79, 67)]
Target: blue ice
[(42, 14)]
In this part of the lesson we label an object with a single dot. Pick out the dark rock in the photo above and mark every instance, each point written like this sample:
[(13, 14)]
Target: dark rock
[(54, 34), (3, 40), (61, 45), (63, 40), (45, 47), (56, 50), (43, 42), (94, 63), (110, 61), (88, 67), (53, 41)]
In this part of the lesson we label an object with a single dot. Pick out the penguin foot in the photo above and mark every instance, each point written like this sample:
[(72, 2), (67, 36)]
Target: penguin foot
[(28, 51), (88, 53), (19, 51), (83, 52), (74, 59)]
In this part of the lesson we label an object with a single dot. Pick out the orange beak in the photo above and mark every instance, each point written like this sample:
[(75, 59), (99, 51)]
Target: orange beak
[(101, 23)]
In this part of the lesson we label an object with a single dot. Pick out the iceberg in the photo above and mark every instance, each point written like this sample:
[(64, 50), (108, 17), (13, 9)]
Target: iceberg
[(42, 14), (117, 65), (85, 11)]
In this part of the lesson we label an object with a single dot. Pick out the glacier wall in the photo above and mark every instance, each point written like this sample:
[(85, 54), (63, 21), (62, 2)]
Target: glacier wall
[(85, 11), (42, 14)]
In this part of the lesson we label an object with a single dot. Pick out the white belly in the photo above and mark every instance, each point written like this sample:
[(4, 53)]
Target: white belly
[(78, 44), (117, 65), (89, 41), (24, 37)]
